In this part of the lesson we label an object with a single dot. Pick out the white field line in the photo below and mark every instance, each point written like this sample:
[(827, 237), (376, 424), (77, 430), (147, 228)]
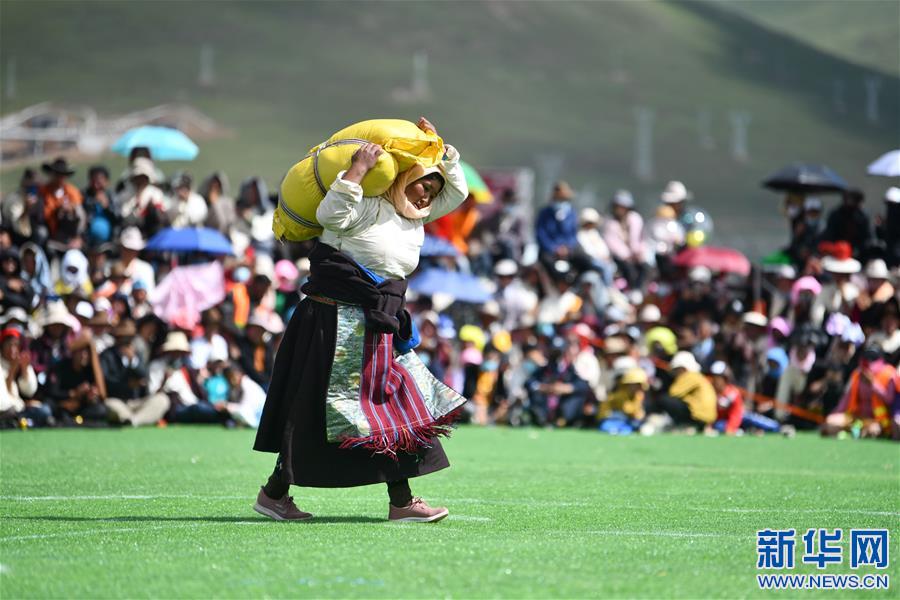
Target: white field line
[(98, 530), (453, 517), (480, 501), (125, 497), (672, 534)]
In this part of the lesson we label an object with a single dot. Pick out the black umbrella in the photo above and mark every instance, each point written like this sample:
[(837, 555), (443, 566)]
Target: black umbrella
[(804, 178)]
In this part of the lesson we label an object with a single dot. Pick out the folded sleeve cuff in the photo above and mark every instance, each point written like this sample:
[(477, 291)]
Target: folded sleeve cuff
[(451, 155), (346, 187)]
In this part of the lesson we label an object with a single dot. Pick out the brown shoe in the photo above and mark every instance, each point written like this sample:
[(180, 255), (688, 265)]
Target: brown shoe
[(282, 509), (417, 511)]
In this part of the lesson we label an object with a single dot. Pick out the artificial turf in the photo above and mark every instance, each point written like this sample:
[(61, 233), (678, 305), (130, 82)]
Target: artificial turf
[(534, 513)]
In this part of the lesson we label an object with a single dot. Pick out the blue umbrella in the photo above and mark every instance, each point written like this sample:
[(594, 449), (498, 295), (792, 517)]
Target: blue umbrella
[(164, 143), (435, 246), (462, 286), (190, 239)]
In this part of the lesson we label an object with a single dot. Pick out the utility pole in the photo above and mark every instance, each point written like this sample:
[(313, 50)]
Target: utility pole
[(207, 75), (643, 143), (740, 126)]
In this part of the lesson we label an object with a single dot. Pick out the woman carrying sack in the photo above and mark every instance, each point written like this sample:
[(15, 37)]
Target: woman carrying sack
[(350, 403)]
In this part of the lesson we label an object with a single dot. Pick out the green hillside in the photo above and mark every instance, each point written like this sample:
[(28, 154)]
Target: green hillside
[(509, 81), (868, 35)]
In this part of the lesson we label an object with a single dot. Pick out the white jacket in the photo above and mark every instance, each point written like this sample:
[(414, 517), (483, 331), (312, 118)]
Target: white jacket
[(370, 230), (25, 385)]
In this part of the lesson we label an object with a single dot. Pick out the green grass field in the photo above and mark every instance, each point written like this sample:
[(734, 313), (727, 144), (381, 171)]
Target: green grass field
[(534, 513)]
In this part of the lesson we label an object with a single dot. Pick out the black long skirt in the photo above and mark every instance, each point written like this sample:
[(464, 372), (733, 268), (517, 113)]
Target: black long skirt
[(293, 419)]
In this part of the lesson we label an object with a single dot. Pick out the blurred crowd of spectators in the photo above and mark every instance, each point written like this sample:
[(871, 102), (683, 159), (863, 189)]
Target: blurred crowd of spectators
[(591, 324)]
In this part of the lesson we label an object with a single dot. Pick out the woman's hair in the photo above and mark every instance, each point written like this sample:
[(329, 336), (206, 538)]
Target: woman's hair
[(435, 177)]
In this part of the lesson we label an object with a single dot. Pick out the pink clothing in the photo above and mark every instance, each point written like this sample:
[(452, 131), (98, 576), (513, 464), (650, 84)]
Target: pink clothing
[(626, 241)]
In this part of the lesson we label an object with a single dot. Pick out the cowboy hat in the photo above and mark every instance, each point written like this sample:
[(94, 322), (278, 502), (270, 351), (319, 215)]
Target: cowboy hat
[(142, 167), (176, 341), (675, 192), (846, 266), (58, 167), (877, 269), (125, 329), (131, 239), (685, 360)]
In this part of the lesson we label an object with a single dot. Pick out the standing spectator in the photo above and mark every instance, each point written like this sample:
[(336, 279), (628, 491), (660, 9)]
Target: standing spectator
[(146, 207), (624, 234), (188, 208), (850, 223), (506, 231), (889, 228), (18, 383), (100, 206), (806, 231), (126, 375), (222, 213), (557, 227), (63, 209)]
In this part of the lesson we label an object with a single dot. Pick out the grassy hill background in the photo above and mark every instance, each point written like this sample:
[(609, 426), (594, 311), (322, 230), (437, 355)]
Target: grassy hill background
[(510, 82)]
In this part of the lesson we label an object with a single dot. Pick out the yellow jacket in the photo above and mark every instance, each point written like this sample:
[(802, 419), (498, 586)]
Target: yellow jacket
[(697, 392), (620, 400)]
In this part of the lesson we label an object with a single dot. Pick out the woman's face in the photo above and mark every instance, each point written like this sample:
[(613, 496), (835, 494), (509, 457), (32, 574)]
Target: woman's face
[(422, 191)]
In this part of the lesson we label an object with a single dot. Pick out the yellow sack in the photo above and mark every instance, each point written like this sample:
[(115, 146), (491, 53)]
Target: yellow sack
[(306, 183)]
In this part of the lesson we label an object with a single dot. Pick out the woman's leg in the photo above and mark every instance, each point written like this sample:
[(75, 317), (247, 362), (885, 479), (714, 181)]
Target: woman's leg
[(399, 493), (275, 487)]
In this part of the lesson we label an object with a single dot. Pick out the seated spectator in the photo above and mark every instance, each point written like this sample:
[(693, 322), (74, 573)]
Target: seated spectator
[(127, 382), (36, 270), (146, 208), (592, 249), (101, 207), (74, 279), (51, 347), (624, 234), (131, 242), (257, 353), (246, 398), (691, 399), (556, 228), (14, 290), (556, 394), (76, 386), (222, 212), (171, 375), (188, 208), (865, 409), (18, 384), (729, 401), (63, 210), (22, 211), (623, 409)]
